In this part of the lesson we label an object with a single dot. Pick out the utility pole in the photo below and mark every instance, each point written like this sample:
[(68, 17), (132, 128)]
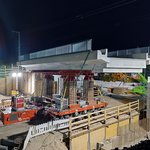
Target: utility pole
[(19, 52), (5, 81)]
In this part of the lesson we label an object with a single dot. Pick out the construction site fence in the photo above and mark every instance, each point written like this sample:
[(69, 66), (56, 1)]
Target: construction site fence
[(45, 128)]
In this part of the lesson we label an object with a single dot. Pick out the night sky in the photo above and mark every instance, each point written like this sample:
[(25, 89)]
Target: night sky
[(112, 24)]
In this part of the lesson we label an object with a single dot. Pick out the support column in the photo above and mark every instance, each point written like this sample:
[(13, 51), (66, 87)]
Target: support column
[(71, 90), (38, 84), (49, 86), (88, 89), (60, 85)]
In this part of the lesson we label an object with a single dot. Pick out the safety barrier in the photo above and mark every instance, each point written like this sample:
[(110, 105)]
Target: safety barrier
[(103, 116), (45, 128)]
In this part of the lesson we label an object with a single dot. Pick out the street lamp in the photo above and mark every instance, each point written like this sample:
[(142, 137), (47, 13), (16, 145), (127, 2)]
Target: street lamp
[(17, 74)]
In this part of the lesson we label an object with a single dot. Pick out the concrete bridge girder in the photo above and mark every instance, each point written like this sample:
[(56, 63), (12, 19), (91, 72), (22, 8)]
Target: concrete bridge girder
[(96, 61)]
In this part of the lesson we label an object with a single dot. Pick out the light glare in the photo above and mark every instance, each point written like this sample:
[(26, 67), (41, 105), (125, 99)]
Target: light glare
[(19, 74), (14, 74)]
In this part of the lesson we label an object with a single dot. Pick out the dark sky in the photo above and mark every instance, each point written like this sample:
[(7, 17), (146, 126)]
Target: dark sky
[(112, 24)]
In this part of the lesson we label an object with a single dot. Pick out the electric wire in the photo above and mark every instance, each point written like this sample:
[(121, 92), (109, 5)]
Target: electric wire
[(91, 13)]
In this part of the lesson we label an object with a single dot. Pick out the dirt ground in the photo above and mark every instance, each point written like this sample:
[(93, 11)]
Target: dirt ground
[(115, 101), (13, 129), (48, 141)]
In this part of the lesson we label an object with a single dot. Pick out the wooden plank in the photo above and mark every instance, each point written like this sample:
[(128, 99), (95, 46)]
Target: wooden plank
[(98, 120), (96, 117), (73, 118), (79, 122), (114, 115), (80, 126), (124, 112), (100, 111), (134, 104)]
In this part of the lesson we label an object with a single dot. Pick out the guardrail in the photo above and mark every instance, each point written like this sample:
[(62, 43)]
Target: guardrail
[(65, 49), (102, 116), (129, 52), (45, 128)]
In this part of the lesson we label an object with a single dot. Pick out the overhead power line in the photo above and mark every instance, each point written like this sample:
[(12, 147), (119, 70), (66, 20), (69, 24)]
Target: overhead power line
[(86, 15), (106, 9)]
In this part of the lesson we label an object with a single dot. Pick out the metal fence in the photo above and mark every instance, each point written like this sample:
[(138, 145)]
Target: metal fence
[(45, 128)]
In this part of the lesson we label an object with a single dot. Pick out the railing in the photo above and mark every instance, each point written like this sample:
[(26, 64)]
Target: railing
[(65, 49), (129, 52), (102, 116), (28, 137), (45, 128)]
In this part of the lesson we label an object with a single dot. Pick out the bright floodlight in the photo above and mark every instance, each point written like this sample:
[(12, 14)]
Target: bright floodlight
[(19, 74), (14, 74)]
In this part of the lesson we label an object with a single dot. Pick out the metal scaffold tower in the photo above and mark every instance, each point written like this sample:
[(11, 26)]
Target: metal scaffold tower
[(3, 71)]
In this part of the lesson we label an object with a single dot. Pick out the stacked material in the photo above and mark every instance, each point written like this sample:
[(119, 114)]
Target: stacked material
[(5, 101), (49, 86), (71, 92), (4, 97), (48, 141), (88, 90), (39, 83), (60, 103)]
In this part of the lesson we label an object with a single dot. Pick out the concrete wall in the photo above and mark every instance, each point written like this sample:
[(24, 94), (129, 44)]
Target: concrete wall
[(27, 83), (9, 83), (111, 130), (6, 85), (80, 142), (2, 85), (97, 135)]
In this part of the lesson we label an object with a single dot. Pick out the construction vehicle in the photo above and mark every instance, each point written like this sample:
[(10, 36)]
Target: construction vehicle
[(141, 89), (17, 112), (17, 116), (63, 109), (81, 107)]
